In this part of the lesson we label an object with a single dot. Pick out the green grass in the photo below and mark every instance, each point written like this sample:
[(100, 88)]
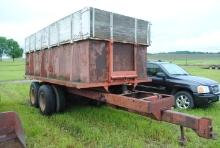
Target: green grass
[(82, 125), (190, 59), (208, 73), (10, 70)]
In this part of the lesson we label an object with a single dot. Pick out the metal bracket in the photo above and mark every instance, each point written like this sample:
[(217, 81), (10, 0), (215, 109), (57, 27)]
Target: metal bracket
[(182, 139)]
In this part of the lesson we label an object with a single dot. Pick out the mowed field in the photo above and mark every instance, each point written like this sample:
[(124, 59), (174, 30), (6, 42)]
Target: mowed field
[(85, 125), (187, 59), (10, 70)]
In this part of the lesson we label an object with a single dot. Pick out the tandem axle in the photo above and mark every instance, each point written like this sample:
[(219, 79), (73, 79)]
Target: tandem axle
[(51, 99)]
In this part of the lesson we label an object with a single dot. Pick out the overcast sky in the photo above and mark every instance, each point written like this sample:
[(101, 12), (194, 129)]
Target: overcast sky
[(176, 25)]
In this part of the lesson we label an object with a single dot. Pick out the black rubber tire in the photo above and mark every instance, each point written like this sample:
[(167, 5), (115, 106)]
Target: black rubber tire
[(47, 103), (33, 93), (95, 103), (60, 98), (185, 94)]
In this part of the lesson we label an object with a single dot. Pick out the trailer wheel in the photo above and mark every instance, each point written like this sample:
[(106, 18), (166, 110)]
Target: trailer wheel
[(33, 93), (60, 98), (184, 100), (46, 100)]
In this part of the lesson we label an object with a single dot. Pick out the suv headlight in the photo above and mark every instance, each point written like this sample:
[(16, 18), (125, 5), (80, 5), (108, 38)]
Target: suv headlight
[(203, 89)]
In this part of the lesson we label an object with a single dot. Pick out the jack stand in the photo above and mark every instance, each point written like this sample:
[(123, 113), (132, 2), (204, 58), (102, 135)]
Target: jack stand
[(182, 139)]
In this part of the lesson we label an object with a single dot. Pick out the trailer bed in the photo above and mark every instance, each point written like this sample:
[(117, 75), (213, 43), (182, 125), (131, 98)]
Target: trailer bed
[(88, 63)]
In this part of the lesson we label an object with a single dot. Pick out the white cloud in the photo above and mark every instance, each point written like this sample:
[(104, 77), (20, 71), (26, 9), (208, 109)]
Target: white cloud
[(204, 41), (176, 24)]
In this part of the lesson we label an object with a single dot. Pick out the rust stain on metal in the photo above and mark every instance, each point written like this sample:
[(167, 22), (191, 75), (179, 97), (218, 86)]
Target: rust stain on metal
[(11, 132), (123, 57), (156, 106), (202, 126), (88, 61)]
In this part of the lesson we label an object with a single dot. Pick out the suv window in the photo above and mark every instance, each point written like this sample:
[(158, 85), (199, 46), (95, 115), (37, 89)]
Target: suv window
[(153, 69)]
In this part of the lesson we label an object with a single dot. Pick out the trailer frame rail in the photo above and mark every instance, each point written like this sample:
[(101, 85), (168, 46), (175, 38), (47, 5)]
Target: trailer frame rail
[(153, 105)]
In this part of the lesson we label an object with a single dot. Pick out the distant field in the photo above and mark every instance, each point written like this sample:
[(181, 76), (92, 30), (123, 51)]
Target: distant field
[(190, 59), (10, 70), (208, 73), (84, 125)]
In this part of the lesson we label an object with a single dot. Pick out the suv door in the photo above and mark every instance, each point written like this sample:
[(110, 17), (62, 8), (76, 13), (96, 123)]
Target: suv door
[(158, 84)]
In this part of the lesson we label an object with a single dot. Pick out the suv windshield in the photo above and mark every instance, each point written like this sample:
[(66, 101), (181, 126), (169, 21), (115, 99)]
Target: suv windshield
[(174, 69)]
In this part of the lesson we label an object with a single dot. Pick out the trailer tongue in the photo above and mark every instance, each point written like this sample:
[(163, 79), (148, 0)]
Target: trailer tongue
[(155, 106)]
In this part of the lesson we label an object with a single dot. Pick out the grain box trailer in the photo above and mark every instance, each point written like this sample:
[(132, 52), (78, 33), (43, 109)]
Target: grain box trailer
[(99, 55)]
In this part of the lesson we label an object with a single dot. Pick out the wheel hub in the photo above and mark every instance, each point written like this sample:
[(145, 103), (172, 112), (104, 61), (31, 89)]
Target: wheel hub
[(182, 102), (42, 101), (32, 96)]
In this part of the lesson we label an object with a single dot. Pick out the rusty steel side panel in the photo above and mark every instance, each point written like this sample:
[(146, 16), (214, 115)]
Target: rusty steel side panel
[(83, 61), (44, 63), (123, 57), (98, 55), (64, 62), (141, 61), (37, 59), (50, 64), (31, 64), (88, 61), (69, 62), (27, 64), (54, 63), (79, 68)]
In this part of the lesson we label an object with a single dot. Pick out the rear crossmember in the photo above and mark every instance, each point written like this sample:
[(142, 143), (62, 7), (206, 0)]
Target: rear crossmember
[(155, 106)]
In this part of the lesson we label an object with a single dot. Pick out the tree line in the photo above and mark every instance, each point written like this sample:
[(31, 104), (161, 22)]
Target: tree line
[(10, 48)]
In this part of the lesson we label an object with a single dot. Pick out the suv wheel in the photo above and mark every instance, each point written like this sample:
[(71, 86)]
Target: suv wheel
[(183, 100)]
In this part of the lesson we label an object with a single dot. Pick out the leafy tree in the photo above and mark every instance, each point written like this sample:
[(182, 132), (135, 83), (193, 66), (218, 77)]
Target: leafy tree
[(3, 46), (13, 49)]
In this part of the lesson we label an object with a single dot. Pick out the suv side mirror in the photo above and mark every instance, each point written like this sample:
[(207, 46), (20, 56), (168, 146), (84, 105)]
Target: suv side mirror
[(161, 75)]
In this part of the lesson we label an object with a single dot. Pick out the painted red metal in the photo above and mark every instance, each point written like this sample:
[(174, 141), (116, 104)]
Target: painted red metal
[(156, 106), (202, 126), (11, 132), (88, 63)]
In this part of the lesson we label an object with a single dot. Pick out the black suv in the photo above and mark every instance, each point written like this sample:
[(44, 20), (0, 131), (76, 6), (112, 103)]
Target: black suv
[(188, 90)]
